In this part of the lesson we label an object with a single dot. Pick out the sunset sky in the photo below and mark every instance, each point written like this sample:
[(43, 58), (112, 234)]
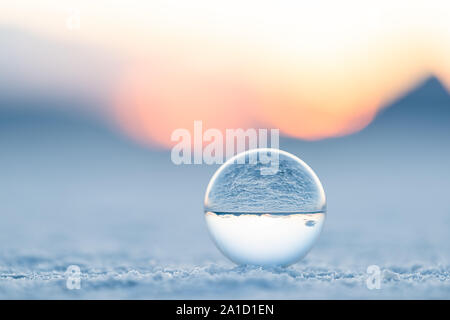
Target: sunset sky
[(313, 70)]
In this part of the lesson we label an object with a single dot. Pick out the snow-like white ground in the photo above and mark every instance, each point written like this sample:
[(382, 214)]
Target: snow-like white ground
[(116, 276)]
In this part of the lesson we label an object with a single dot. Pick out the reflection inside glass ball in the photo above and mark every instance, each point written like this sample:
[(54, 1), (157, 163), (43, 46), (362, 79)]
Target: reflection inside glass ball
[(267, 213)]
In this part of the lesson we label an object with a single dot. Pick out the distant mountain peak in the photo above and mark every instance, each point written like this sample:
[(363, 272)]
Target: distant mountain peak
[(428, 104), (430, 88)]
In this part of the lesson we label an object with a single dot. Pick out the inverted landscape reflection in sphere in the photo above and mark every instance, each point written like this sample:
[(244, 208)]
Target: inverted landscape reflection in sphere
[(267, 213)]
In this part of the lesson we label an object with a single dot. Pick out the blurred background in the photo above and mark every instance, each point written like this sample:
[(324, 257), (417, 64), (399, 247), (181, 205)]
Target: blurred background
[(90, 93)]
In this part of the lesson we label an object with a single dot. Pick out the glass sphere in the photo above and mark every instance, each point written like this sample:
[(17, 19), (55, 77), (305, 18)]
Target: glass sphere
[(265, 207)]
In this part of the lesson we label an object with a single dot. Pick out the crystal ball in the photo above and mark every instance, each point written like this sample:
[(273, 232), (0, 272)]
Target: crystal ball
[(265, 207)]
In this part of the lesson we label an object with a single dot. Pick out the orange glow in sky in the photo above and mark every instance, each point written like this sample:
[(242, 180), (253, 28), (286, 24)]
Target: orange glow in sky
[(313, 69)]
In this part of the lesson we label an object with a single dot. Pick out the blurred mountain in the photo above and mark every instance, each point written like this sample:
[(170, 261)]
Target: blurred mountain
[(35, 63), (421, 111), (419, 118), (17, 112)]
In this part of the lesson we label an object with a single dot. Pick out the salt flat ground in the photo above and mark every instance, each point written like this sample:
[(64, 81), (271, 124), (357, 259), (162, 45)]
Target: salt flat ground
[(134, 225)]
